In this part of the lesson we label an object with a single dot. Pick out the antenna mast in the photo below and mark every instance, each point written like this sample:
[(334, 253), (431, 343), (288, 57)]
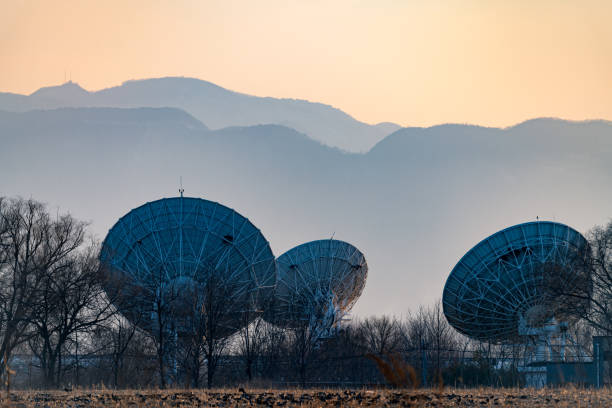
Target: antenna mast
[(181, 189)]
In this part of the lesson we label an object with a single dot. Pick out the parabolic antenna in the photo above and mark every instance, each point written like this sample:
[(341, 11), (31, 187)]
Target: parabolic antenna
[(317, 284), (173, 246), (500, 289)]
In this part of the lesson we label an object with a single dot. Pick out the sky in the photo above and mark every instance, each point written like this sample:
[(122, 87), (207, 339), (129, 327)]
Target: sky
[(415, 63)]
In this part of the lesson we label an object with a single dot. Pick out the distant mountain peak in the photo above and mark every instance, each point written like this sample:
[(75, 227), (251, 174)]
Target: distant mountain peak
[(66, 90), (179, 83), (556, 122)]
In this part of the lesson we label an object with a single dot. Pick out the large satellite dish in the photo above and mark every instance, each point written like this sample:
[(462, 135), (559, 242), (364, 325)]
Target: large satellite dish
[(499, 290), (317, 284), (175, 244)]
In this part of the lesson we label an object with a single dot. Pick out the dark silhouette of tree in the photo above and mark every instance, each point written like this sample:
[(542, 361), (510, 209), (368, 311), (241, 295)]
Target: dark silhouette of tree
[(251, 343), (69, 303), (255, 331), (381, 335), (33, 246), (582, 286), (212, 309), (599, 314)]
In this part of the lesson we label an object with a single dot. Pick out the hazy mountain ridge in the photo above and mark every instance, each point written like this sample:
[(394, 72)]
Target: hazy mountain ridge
[(535, 137), (105, 115), (414, 204), (215, 106)]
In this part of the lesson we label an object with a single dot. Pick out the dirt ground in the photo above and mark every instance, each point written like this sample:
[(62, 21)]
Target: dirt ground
[(483, 397)]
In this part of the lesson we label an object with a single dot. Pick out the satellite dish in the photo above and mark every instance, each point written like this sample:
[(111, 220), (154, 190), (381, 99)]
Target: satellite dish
[(170, 247), (317, 284), (500, 289)]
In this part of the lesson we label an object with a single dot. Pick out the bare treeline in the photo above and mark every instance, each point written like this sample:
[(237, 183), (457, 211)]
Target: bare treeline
[(589, 297), (63, 322), (50, 289)]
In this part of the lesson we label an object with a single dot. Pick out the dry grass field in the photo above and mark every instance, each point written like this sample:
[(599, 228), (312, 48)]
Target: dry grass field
[(482, 397)]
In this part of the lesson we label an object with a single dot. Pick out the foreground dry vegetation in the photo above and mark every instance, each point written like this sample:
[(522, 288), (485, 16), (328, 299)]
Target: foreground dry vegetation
[(482, 397)]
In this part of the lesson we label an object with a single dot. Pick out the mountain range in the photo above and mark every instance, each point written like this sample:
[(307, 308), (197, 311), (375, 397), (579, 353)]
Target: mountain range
[(215, 106), (414, 203)]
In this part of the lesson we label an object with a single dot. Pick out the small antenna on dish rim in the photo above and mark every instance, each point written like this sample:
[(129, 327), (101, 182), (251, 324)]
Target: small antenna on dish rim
[(181, 189)]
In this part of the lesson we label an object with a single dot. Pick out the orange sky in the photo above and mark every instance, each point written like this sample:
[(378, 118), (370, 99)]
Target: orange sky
[(414, 62)]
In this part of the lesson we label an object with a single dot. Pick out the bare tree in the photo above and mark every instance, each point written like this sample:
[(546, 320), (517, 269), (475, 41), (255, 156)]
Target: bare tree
[(128, 314), (69, 303), (163, 325), (121, 334), (583, 286), (600, 312), (154, 305), (310, 324), (304, 339), (429, 336), (121, 354), (212, 309), (380, 334), (192, 332), (255, 332), (441, 337), (113, 338), (221, 311), (188, 318), (274, 350), (250, 343), (32, 244)]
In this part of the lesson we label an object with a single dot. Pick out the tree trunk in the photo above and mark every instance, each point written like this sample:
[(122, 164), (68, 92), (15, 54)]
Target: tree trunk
[(209, 375), (195, 381), (49, 371), (162, 374), (249, 372), (59, 370)]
